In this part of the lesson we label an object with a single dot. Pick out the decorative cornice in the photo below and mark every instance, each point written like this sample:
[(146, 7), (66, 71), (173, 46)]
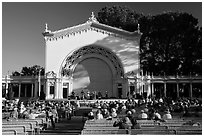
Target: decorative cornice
[(93, 25)]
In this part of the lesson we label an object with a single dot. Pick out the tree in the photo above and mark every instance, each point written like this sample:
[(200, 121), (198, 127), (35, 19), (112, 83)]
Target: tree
[(120, 17), (16, 73), (30, 71), (171, 44), (171, 41)]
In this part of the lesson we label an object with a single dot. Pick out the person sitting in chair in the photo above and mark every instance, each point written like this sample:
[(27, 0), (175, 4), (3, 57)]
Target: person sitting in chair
[(124, 123), (135, 124), (143, 115), (99, 114), (167, 115), (91, 116)]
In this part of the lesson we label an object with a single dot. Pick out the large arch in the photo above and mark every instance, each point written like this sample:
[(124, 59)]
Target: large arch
[(93, 74), (92, 51)]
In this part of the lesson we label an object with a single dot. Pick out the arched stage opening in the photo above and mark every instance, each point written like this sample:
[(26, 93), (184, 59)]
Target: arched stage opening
[(92, 69), (93, 75)]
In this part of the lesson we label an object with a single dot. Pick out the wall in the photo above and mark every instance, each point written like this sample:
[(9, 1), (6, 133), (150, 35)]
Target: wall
[(57, 50)]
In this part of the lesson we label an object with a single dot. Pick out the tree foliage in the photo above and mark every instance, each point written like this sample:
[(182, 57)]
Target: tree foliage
[(30, 71), (120, 17), (171, 42), (16, 73)]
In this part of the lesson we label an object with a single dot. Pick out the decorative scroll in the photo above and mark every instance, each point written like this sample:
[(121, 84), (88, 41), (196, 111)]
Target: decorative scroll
[(131, 74), (66, 69), (51, 74)]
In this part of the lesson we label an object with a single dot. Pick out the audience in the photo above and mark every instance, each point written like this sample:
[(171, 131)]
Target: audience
[(167, 115), (99, 114), (105, 113), (91, 116), (106, 109), (142, 115), (54, 114), (129, 114), (135, 124), (124, 123), (157, 116), (15, 113), (31, 114), (113, 113)]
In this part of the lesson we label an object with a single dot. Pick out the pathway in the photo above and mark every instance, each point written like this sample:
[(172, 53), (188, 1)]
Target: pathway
[(66, 127)]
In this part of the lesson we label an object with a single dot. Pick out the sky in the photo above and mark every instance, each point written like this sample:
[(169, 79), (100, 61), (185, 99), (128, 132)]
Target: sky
[(23, 24)]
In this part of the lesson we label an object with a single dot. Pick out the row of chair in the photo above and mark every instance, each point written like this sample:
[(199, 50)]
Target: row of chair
[(114, 119), (23, 126), (147, 127), (141, 131), (177, 126), (109, 123)]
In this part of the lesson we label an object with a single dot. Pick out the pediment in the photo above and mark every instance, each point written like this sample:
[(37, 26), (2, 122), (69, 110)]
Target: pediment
[(93, 25)]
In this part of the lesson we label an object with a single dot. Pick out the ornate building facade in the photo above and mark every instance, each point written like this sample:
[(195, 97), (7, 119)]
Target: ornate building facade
[(90, 57)]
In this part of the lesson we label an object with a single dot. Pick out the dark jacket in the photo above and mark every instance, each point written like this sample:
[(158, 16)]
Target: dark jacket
[(121, 125)]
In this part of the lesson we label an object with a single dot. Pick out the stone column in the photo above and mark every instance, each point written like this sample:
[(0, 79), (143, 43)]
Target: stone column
[(31, 89), (139, 87), (145, 87), (60, 88), (56, 89), (25, 90), (177, 89), (70, 86), (36, 89), (152, 88), (135, 91), (68, 93), (148, 88), (164, 89), (46, 89), (142, 88), (191, 90), (19, 90)]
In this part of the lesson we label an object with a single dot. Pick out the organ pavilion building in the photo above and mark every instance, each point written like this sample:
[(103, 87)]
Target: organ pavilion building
[(96, 58), (90, 57)]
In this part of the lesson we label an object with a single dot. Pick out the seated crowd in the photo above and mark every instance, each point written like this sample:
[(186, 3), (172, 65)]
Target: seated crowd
[(51, 110), (128, 112), (125, 113)]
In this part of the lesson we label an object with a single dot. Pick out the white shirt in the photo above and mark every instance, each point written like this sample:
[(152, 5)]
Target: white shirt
[(158, 115), (167, 116), (22, 109), (143, 116), (32, 116), (114, 114), (99, 116)]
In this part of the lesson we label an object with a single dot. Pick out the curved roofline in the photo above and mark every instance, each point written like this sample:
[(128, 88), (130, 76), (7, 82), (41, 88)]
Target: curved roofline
[(92, 25)]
